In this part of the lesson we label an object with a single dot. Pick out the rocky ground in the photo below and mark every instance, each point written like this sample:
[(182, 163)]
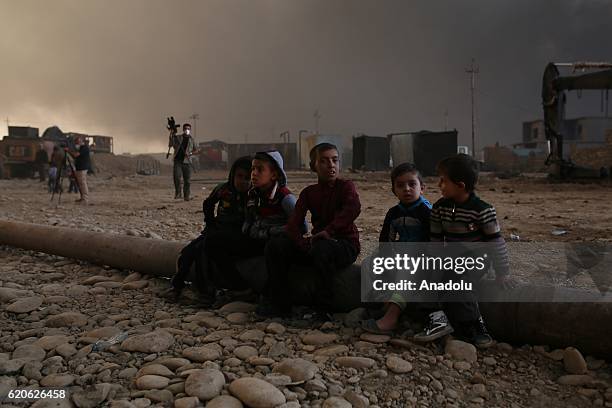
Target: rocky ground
[(57, 316)]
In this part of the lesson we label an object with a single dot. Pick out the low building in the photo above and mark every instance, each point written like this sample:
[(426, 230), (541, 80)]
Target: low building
[(371, 153), (424, 148)]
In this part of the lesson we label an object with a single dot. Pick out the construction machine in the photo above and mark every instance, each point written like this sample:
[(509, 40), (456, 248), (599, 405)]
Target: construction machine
[(19, 150), (554, 88)]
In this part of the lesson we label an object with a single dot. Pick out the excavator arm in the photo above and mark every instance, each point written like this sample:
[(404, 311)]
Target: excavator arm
[(554, 87)]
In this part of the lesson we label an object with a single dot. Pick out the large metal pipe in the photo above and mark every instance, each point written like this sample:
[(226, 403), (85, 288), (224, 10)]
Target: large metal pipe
[(559, 324), (152, 256)]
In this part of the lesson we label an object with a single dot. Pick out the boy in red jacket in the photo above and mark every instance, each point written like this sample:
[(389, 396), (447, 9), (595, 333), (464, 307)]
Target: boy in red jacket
[(334, 205)]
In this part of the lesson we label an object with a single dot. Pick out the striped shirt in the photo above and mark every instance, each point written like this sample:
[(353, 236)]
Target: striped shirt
[(472, 221)]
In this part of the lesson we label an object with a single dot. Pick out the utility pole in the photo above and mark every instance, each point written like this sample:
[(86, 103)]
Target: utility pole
[(7, 125), (473, 71), (317, 116), (445, 119), (195, 118), (300, 146)]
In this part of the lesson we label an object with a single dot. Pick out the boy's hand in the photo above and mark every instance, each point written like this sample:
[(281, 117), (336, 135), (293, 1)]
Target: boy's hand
[(321, 235), (504, 282)]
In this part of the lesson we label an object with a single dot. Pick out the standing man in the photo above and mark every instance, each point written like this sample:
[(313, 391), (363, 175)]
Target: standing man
[(42, 162), (81, 165), (184, 147)]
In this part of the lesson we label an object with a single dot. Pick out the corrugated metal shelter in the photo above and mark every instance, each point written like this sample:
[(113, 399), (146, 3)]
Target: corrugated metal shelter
[(424, 148), (370, 153), (288, 150)]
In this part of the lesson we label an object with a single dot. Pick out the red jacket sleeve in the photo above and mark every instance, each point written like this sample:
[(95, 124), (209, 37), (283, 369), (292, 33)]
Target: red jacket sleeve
[(351, 208)]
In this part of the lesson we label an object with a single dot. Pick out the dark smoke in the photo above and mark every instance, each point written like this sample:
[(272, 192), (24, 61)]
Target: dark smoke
[(262, 67)]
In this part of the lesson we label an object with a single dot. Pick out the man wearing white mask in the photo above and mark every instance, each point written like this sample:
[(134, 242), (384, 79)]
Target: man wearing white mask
[(184, 147), (81, 166)]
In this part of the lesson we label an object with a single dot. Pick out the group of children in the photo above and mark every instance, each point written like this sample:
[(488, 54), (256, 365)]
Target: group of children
[(255, 214)]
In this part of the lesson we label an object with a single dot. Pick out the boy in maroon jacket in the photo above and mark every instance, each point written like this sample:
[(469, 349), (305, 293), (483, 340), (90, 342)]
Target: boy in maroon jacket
[(334, 205)]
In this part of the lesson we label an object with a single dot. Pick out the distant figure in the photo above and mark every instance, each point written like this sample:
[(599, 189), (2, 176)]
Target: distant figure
[(183, 147), (81, 164), (56, 163), (42, 162)]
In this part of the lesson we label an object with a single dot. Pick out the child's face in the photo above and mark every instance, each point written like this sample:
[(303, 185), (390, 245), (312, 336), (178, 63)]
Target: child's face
[(407, 188), (242, 180), (262, 174), (327, 164), (450, 189)]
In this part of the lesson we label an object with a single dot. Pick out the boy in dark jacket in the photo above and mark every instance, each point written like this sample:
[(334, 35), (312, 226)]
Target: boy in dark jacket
[(229, 200), (334, 205), (269, 205)]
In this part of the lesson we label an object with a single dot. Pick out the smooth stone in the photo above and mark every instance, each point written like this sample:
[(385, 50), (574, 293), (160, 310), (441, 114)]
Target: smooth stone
[(155, 369), (333, 350), (128, 373), (25, 305), (57, 380), (224, 401), (136, 285), (201, 354), (187, 402), (355, 362), (256, 393), (151, 382), (318, 338), (52, 403), (298, 369), (8, 294), (237, 318), (11, 366), (172, 363), (260, 361), (154, 342), (245, 352), (252, 335), (575, 379), (66, 350), (375, 338), (51, 342), (205, 384), (164, 396), (336, 402), (275, 328), (398, 365), (461, 351), (67, 319), (29, 352), (573, 361)]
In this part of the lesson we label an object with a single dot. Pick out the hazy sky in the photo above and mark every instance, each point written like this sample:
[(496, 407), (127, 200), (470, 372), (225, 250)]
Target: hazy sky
[(260, 67)]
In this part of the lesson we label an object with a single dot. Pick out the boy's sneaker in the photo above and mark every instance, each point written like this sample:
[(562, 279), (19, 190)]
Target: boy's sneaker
[(438, 326), (476, 333)]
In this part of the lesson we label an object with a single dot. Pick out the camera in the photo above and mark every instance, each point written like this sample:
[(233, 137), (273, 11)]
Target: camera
[(172, 125)]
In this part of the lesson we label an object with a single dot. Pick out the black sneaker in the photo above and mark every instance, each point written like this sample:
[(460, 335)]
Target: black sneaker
[(482, 338), (437, 327), (475, 333)]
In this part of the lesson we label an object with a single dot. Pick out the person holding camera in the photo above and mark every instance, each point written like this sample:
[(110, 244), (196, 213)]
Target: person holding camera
[(81, 164), (184, 147)]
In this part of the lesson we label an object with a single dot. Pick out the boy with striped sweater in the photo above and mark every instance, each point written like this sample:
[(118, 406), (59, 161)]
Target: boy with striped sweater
[(461, 216)]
